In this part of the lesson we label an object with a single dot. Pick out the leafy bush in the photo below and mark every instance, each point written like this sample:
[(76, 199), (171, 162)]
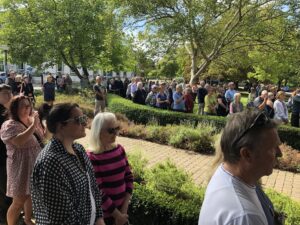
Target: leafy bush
[(158, 134), (290, 159), (200, 139), (138, 164), (285, 204), (166, 177), (152, 207)]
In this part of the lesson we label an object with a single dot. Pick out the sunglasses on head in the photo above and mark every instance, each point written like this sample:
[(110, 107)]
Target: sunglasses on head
[(113, 130), (260, 120), (81, 120)]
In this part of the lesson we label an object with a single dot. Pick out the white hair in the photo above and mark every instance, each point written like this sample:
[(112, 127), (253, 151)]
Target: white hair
[(97, 125)]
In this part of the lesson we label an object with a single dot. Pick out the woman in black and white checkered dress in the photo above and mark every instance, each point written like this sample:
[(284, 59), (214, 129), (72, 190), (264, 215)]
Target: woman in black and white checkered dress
[(64, 189)]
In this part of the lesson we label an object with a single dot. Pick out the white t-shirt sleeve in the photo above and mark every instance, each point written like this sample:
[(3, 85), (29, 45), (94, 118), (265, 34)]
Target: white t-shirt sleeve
[(248, 219)]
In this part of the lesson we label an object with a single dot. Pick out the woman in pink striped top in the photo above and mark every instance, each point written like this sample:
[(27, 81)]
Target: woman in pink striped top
[(111, 167)]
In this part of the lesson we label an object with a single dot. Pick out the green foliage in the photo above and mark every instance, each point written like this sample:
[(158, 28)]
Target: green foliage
[(284, 204), (83, 99), (200, 140), (79, 33), (166, 177), (158, 133), (152, 207), (209, 30), (137, 163), (169, 197)]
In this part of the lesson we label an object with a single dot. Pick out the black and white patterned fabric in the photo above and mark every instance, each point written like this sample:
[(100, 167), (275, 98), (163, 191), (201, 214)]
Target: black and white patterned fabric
[(60, 186)]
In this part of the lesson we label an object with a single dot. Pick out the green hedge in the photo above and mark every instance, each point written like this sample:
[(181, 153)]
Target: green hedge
[(151, 207), (144, 114)]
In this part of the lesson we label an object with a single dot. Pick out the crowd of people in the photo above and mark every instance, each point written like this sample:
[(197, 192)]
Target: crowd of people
[(215, 100), (60, 182)]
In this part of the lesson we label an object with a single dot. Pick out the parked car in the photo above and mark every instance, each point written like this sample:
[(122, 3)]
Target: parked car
[(2, 77)]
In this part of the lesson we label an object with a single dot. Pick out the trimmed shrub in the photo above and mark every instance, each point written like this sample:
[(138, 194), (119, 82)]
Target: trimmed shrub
[(142, 114), (158, 134), (152, 207), (290, 159)]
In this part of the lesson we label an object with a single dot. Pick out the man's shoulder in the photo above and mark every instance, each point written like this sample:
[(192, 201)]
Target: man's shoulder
[(258, 100), (232, 200)]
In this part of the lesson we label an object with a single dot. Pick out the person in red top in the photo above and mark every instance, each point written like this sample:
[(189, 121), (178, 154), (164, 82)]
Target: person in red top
[(112, 170), (189, 100)]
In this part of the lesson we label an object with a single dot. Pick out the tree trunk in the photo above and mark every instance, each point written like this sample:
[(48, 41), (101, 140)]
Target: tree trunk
[(279, 84), (201, 70), (193, 68), (84, 81)]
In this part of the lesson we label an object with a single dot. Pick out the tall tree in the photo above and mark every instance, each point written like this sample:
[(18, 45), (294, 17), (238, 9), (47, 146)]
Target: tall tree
[(210, 29), (58, 30)]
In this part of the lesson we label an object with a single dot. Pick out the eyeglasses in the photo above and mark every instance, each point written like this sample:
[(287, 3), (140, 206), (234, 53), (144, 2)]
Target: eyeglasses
[(81, 120), (113, 130), (260, 120)]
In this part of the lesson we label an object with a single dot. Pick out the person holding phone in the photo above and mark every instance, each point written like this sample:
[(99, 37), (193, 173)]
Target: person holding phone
[(23, 136), (261, 101)]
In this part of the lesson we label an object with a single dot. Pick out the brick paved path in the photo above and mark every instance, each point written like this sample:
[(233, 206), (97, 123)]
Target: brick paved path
[(199, 165)]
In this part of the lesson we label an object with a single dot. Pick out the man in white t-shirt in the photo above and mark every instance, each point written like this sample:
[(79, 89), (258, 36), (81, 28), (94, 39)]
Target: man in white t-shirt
[(250, 145)]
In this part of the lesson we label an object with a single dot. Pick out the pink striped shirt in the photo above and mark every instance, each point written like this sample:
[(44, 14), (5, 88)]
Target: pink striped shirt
[(114, 177)]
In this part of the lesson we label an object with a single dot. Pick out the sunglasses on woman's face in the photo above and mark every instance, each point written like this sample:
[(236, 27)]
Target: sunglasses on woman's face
[(113, 130), (81, 120)]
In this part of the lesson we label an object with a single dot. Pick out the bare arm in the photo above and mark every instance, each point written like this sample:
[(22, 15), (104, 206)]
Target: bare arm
[(23, 137), (263, 104)]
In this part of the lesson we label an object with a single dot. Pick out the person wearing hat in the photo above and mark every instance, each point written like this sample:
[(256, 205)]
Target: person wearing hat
[(151, 97)]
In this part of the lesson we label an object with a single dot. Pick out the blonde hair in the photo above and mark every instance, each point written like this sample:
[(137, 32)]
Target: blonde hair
[(279, 93), (217, 160), (97, 125), (48, 77), (18, 78)]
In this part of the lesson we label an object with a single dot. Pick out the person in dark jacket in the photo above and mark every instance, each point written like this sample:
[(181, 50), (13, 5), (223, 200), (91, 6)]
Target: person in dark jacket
[(189, 100), (49, 90), (140, 95), (11, 82), (5, 97), (222, 108), (27, 89), (201, 93), (295, 109)]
